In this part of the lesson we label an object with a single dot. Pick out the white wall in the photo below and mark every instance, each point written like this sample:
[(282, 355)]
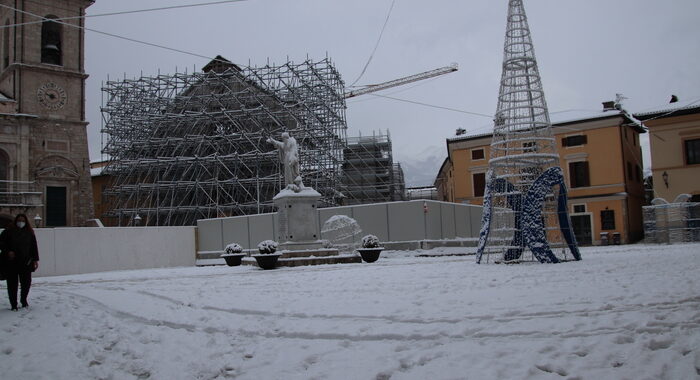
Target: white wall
[(65, 251)]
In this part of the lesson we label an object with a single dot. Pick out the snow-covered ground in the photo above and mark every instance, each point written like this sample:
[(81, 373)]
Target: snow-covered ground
[(624, 312)]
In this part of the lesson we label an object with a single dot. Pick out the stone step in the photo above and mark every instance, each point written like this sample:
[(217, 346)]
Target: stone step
[(209, 255), (310, 252), (428, 244), (315, 260)]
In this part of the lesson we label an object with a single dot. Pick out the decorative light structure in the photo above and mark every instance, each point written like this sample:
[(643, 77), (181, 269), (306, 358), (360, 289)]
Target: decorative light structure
[(522, 210)]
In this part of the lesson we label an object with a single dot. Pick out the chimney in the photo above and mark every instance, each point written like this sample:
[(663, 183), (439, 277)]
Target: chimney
[(609, 106), (674, 99)]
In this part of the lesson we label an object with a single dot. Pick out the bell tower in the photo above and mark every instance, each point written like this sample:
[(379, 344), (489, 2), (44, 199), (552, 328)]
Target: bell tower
[(44, 160)]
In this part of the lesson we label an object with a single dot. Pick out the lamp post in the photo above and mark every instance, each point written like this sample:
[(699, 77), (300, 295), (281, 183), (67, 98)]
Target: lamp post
[(37, 221), (665, 177)]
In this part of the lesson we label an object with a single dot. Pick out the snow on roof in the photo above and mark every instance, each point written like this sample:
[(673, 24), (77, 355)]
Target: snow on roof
[(669, 107), (556, 118), (95, 172), (567, 116)]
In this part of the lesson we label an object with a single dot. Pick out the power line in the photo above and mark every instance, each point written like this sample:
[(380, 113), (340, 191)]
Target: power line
[(111, 34), (127, 12), (433, 106), (386, 21)]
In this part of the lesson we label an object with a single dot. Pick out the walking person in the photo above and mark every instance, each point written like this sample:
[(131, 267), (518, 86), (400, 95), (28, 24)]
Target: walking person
[(20, 257)]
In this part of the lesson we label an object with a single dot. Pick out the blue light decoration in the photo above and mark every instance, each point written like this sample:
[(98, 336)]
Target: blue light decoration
[(529, 224)]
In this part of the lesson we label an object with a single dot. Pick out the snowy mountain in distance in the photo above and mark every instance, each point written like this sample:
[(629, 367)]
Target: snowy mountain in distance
[(422, 168)]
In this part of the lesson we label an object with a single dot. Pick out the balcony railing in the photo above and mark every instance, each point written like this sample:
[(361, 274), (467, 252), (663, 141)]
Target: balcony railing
[(19, 194)]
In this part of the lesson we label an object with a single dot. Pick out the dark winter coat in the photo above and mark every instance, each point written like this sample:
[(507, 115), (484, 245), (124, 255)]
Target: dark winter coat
[(23, 242)]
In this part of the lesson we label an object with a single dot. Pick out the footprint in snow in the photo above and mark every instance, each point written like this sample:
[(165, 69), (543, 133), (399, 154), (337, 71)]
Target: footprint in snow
[(551, 369), (623, 339), (660, 344)]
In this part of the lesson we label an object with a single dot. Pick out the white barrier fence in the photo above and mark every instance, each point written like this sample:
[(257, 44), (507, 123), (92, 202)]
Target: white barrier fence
[(64, 251)]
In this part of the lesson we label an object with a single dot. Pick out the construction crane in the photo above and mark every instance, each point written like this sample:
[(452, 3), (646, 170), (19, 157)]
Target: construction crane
[(402, 81)]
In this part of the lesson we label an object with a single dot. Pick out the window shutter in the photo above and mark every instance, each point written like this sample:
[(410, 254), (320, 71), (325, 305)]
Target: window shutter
[(585, 175)]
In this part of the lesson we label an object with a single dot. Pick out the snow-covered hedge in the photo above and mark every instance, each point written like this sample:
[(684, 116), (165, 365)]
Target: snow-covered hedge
[(267, 246), (370, 241), (233, 248)]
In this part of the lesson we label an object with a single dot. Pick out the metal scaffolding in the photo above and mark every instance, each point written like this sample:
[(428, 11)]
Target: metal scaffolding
[(671, 223), (369, 172), (190, 146)]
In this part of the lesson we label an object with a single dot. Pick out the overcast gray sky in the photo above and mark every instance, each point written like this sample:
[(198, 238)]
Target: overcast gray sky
[(587, 52)]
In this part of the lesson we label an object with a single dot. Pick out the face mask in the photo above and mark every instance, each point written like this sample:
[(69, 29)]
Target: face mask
[(20, 224)]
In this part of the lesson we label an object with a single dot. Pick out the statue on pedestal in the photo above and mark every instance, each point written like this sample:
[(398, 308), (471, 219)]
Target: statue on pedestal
[(289, 153)]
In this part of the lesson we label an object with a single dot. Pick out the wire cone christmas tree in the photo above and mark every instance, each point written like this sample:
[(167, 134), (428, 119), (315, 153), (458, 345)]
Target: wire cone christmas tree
[(525, 204)]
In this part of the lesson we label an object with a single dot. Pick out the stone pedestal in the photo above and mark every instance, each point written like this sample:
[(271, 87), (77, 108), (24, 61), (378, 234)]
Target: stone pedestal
[(297, 219), (297, 231)]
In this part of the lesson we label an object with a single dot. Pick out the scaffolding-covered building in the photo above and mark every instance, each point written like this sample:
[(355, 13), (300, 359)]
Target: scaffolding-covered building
[(369, 172), (189, 146)]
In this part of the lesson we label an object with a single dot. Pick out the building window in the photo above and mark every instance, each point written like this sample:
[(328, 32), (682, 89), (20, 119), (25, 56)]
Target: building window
[(529, 147), (692, 151), (630, 173), (607, 219), (578, 209), (479, 180), (477, 154), (4, 170), (6, 45), (51, 47), (638, 173), (574, 140), (578, 174)]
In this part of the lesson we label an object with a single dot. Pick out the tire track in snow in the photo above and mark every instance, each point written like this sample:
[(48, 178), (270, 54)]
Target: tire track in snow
[(473, 333)]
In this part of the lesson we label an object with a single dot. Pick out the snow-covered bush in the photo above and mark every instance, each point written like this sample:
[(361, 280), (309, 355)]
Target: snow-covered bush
[(370, 241), (233, 248), (267, 246)]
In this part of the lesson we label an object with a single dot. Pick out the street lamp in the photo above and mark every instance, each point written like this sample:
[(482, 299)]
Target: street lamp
[(665, 177), (137, 220), (37, 221)]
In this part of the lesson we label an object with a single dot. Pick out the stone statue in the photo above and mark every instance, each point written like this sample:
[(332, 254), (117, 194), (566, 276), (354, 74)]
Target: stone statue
[(289, 152)]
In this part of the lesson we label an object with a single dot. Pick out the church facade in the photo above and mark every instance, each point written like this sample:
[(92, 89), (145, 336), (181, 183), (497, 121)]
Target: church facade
[(44, 160)]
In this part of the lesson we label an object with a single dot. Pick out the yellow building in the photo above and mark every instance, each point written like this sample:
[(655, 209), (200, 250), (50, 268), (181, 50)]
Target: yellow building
[(602, 162), (675, 149)]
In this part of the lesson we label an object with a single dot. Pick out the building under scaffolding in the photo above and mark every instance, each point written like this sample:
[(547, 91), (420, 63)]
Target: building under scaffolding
[(184, 147), (369, 172)]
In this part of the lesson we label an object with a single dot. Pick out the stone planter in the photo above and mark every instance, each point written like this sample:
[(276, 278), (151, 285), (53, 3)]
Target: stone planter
[(233, 259), (370, 255), (267, 260)]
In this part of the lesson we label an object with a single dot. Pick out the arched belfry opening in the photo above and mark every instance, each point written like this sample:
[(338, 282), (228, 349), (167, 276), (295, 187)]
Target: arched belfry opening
[(51, 41)]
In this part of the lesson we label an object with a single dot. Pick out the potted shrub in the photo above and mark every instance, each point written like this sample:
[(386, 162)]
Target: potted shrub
[(370, 249), (233, 253), (267, 259)]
